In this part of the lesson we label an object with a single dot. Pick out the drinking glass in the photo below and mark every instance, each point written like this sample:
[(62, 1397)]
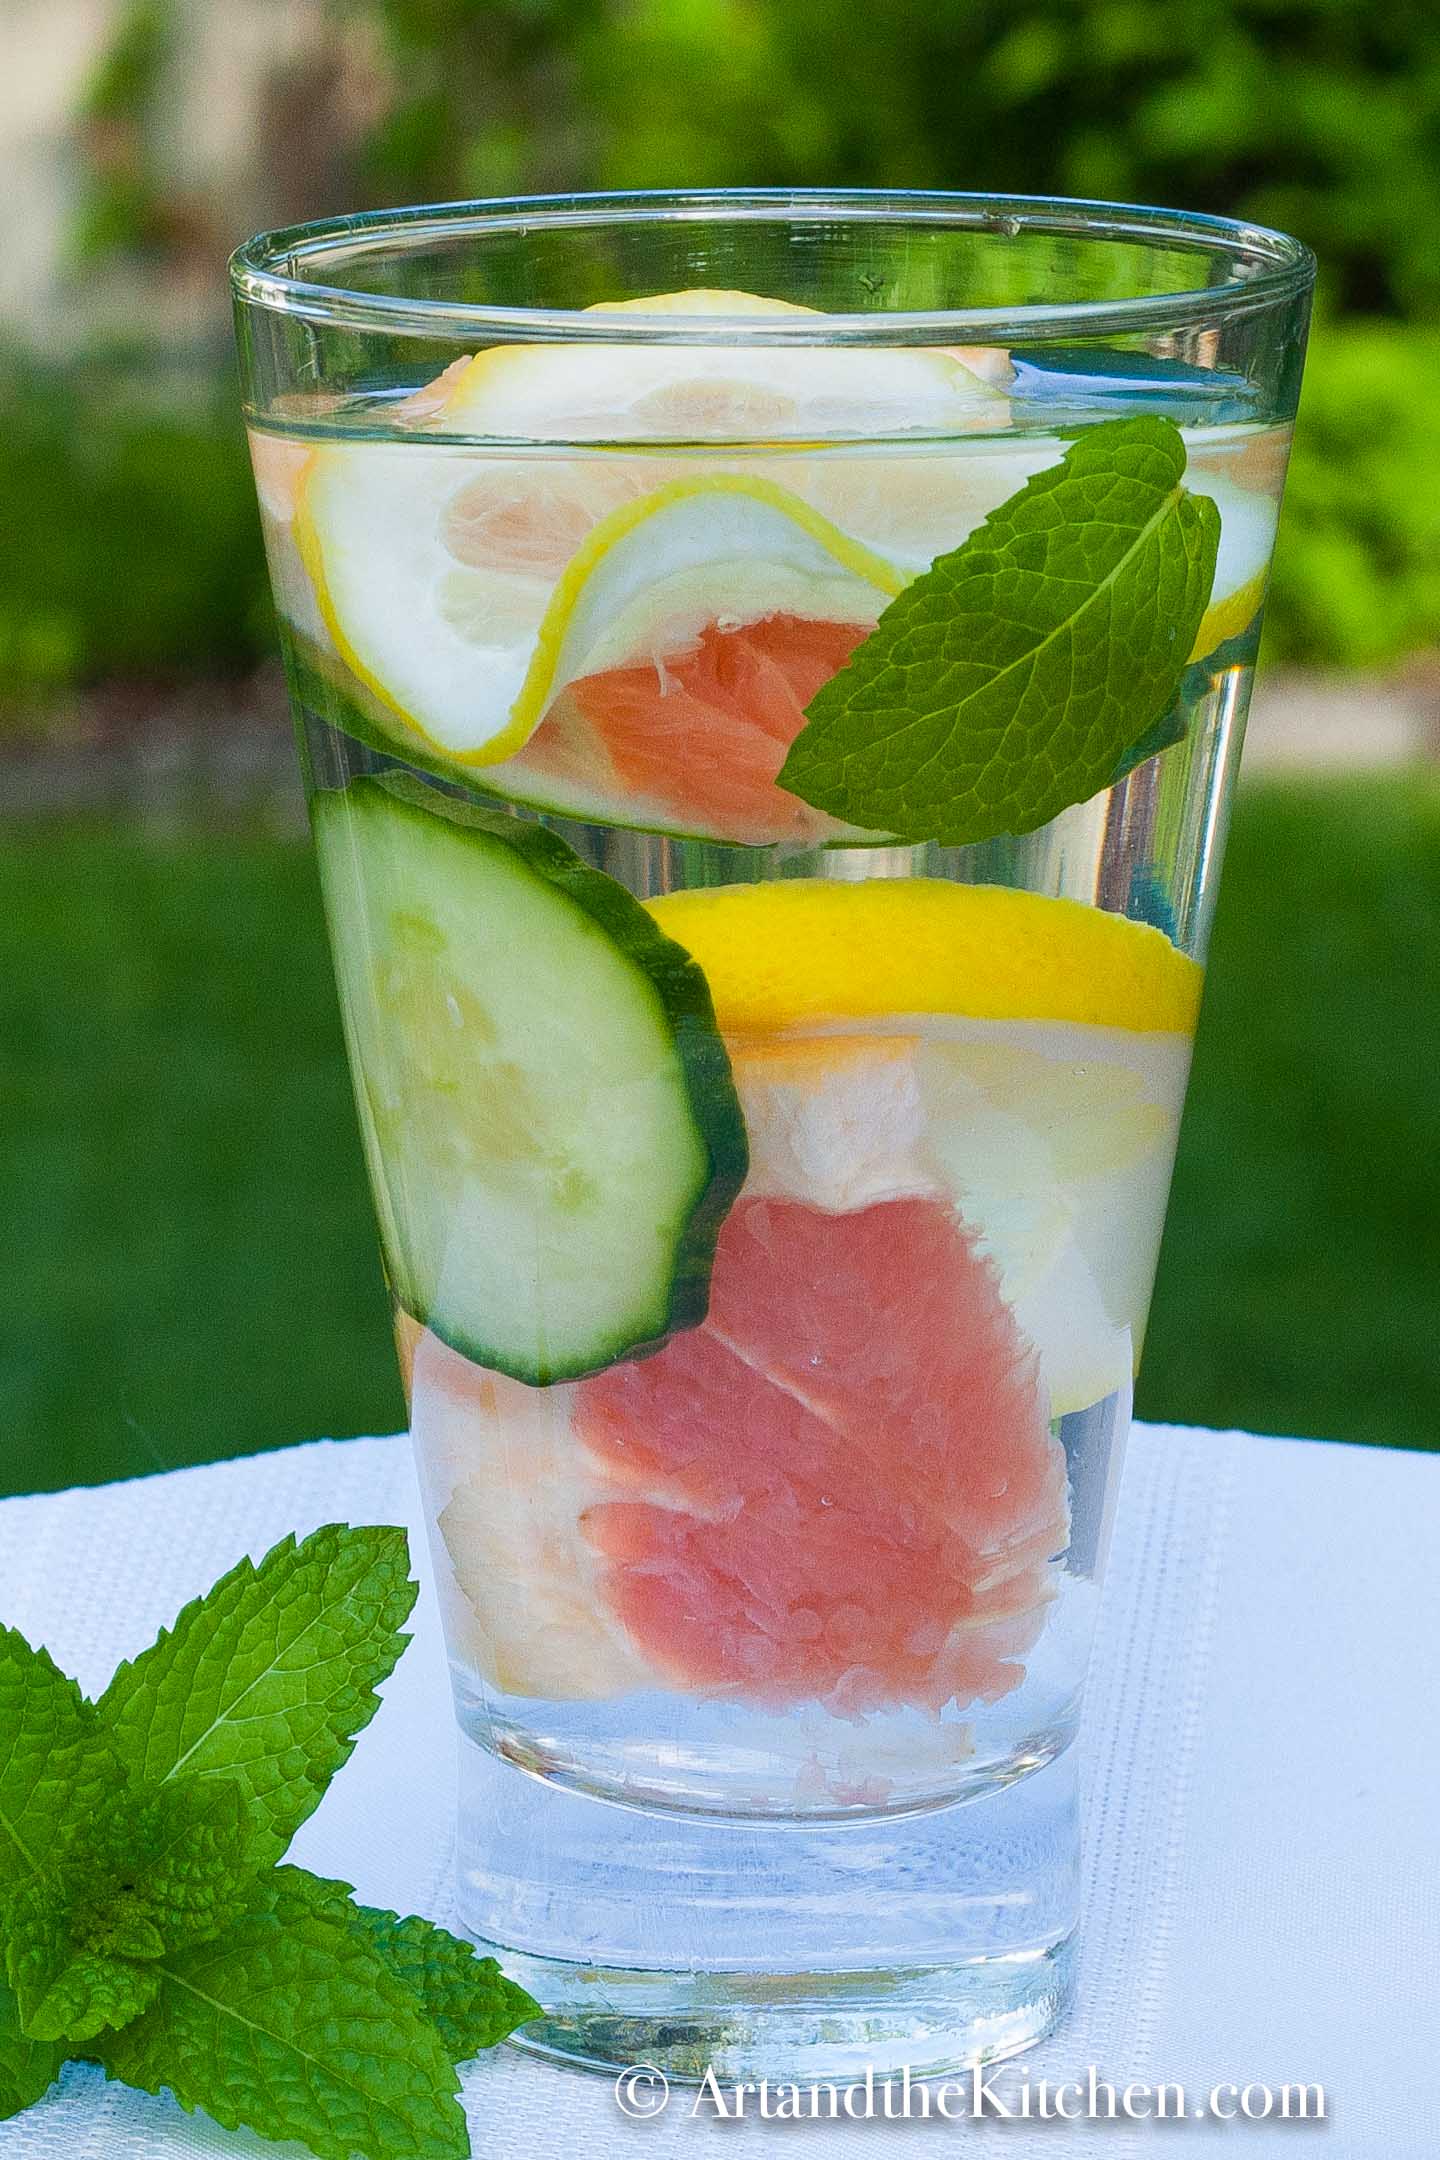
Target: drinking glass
[(769, 671)]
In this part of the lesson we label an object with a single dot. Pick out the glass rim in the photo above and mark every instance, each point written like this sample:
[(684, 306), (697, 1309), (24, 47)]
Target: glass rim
[(269, 271)]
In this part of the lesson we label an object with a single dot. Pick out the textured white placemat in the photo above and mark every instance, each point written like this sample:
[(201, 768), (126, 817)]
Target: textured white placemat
[(94, 1573)]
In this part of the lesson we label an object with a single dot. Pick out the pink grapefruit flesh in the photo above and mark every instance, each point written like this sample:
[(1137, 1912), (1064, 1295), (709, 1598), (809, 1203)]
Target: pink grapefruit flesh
[(843, 1486), (702, 735)]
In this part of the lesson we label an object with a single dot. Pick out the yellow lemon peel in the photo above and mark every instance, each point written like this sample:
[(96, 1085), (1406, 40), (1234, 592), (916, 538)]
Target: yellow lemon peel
[(808, 950)]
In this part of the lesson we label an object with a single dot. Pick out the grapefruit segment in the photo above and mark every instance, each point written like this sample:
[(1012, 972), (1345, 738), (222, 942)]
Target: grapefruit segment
[(840, 1490), (704, 733), (1052, 1142), (860, 1492)]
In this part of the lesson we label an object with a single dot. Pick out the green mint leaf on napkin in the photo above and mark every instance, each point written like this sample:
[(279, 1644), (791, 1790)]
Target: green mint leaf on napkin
[(63, 1989), (153, 1872), (270, 1676), (1011, 678), (169, 1866), (56, 1763), (143, 1917), (28, 2068), (292, 2024), (469, 1999)]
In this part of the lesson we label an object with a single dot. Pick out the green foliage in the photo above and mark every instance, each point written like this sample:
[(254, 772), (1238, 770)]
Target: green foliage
[(28, 2067), (484, 99), (293, 2024), (132, 545), (148, 1868), (1317, 115), (158, 1865), (1357, 568), (471, 2002), (1009, 680), (1297, 1282), (131, 67), (64, 1989), (120, 207)]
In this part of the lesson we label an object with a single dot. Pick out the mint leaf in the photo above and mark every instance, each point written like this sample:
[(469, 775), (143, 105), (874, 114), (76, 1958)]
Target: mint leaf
[(145, 1921), (28, 2068), (1171, 728), (292, 2024), (1197, 682), (56, 1763), (151, 1872), (468, 1998), (1009, 680), (270, 1676), (162, 1867), (64, 1990)]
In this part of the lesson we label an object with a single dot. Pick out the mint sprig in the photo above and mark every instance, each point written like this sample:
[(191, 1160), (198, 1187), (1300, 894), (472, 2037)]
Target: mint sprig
[(469, 1998), (57, 1763), (1012, 678), (292, 2023), (28, 2068), (271, 1675), (144, 1921)]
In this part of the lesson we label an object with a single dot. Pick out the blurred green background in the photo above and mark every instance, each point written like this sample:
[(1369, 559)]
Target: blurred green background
[(190, 1268)]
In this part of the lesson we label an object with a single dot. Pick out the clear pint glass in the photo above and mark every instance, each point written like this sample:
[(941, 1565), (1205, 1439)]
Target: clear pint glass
[(769, 672)]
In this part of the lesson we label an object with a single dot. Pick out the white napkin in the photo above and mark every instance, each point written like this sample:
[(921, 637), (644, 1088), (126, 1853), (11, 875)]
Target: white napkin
[(94, 1573)]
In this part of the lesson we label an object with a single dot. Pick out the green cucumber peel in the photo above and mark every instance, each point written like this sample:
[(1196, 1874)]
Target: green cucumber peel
[(621, 1144)]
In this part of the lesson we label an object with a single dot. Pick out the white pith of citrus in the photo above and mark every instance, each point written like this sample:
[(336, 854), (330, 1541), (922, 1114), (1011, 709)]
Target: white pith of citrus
[(471, 655)]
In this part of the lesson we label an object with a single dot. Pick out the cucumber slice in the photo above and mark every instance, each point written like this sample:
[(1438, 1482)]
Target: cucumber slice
[(551, 1125)]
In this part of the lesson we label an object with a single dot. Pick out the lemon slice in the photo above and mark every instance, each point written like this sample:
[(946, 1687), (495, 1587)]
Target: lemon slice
[(465, 590), (1247, 535), (466, 587), (708, 392), (914, 505), (469, 654), (810, 950)]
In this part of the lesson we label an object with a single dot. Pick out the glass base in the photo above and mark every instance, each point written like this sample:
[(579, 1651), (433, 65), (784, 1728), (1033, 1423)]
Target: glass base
[(792, 2027), (781, 1950)]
